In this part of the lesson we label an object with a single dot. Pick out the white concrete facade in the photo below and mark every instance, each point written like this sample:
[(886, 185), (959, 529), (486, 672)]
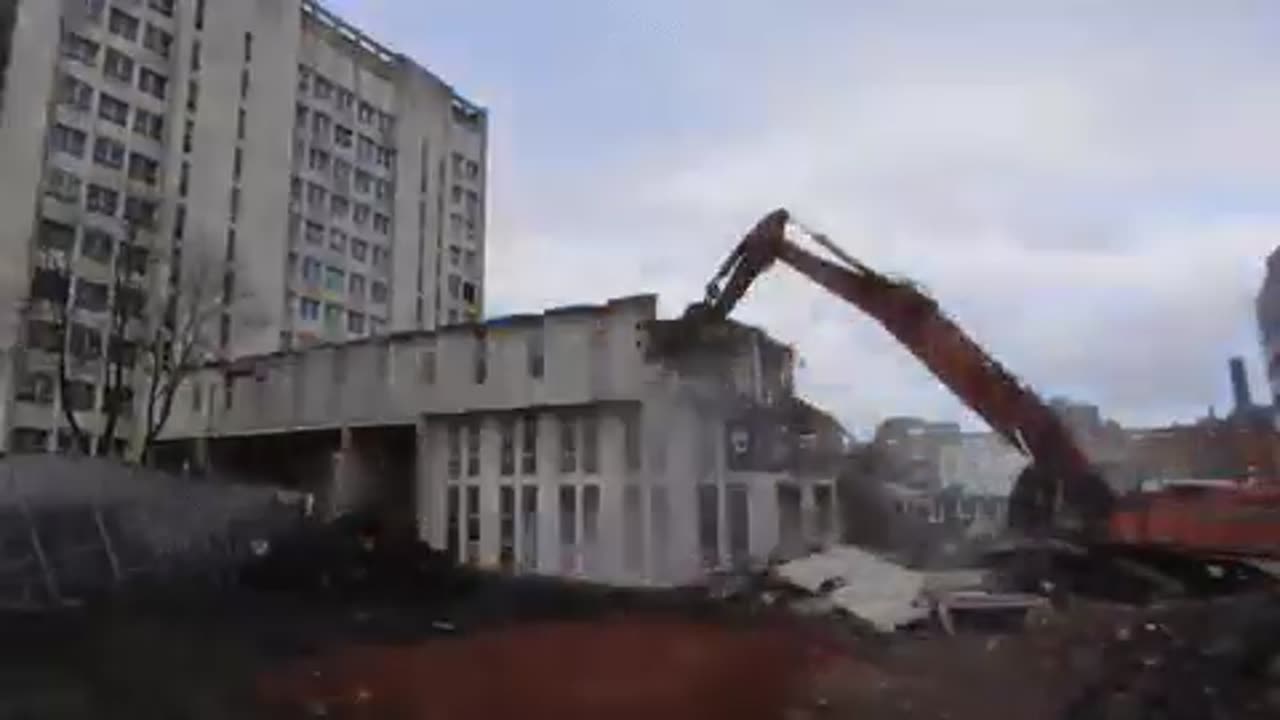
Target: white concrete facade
[(196, 105), (559, 443)]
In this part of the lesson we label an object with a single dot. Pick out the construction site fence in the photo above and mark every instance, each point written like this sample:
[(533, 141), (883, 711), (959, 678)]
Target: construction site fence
[(73, 527)]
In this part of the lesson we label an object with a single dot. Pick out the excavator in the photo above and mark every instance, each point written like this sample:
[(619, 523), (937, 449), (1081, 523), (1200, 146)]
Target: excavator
[(1060, 495)]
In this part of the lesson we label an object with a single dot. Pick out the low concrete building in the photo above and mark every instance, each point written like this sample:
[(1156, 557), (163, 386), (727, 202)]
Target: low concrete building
[(591, 441)]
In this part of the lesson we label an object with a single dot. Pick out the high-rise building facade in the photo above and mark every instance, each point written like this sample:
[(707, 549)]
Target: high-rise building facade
[(286, 176)]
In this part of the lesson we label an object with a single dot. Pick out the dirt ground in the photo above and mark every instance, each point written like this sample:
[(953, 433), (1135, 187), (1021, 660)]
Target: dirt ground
[(256, 659)]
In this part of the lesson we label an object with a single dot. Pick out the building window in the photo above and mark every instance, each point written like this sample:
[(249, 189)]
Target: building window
[(199, 18), (244, 83), (76, 94), (80, 48), (113, 110), (386, 157), (427, 365), (164, 7), (309, 309), (632, 440), (342, 136), (334, 279), (529, 528), (660, 522), (108, 152), (361, 215), (469, 292), (323, 88), (237, 166), (118, 66), (568, 444), (153, 83), (341, 173), (709, 524), (536, 348), (590, 443), (345, 99), (452, 526), (480, 360), (339, 206), (140, 211), (188, 133), (123, 24), (455, 451), (97, 245), (507, 527), (455, 286), (195, 56), (311, 270), (507, 456), (316, 196), (241, 123), (157, 41), (529, 445), (364, 149), (473, 524), (378, 292), (235, 204), (473, 449), (320, 124), (148, 124), (91, 296), (36, 388), (381, 257), (63, 185), (103, 201), (337, 239), (590, 526), (333, 315), (143, 169), (318, 160), (359, 249), (356, 286), (68, 140), (568, 517), (355, 323), (364, 181), (381, 224), (738, 518), (365, 112)]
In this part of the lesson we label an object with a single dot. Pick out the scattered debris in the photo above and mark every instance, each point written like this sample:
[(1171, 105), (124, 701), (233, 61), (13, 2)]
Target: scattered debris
[(884, 594)]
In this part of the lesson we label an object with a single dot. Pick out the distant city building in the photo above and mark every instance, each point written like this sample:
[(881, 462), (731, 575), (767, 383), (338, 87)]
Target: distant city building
[(319, 187)]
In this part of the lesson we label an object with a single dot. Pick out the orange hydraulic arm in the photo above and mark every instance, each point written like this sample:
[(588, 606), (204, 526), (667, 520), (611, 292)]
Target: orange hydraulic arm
[(1009, 407)]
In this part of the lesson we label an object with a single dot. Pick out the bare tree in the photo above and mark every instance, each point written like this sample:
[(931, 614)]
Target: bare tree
[(188, 332)]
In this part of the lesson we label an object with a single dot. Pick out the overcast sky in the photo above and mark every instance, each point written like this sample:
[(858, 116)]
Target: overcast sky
[(1089, 187)]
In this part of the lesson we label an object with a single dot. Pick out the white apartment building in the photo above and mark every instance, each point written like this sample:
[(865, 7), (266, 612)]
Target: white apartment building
[(574, 442), (333, 188)]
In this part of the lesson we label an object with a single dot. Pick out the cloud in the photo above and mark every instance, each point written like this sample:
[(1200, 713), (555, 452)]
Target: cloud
[(1088, 187)]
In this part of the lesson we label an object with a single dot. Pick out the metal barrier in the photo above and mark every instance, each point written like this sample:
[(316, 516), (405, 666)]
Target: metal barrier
[(71, 528)]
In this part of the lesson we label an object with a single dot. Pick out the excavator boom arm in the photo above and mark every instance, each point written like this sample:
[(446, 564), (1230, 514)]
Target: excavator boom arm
[(1011, 408)]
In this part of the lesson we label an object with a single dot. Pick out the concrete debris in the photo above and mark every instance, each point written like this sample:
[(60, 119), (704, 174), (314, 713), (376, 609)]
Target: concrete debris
[(884, 594)]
